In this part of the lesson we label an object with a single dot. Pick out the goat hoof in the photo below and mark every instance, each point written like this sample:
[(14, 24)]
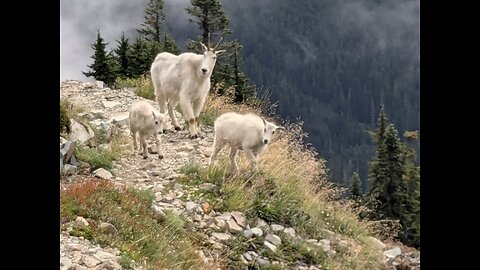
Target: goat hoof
[(160, 156), (178, 128), (193, 136), (145, 157)]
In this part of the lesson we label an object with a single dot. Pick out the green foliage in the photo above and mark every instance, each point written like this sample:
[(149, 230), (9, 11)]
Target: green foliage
[(356, 189), (96, 157), (396, 181), (104, 67), (140, 235), (210, 18), (170, 46), (64, 120), (142, 84), (174, 222), (141, 57), (190, 169), (123, 56), (154, 17)]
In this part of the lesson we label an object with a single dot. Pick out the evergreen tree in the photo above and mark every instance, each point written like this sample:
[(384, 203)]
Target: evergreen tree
[(212, 21), (103, 67), (411, 234), (154, 17), (356, 187), (242, 89), (123, 56), (169, 45), (141, 58)]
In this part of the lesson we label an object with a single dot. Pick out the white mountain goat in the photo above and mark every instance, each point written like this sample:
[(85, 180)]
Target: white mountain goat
[(184, 78), (145, 122), (247, 132)]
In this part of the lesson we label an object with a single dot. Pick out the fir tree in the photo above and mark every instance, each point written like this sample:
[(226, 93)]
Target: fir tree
[(356, 187), (411, 234), (122, 56), (169, 45), (213, 22), (242, 89), (141, 57), (154, 17), (211, 19), (104, 66)]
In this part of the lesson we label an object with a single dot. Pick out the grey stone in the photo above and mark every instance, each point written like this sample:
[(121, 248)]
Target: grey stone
[(239, 218), (103, 256), (270, 246), (190, 206), (90, 261), (289, 232), (392, 253), (102, 173), (223, 237), (274, 239), (67, 150), (65, 262), (69, 169), (110, 265), (247, 256), (186, 147), (207, 186), (120, 119), (251, 232), (379, 244), (80, 132), (263, 262), (276, 227), (107, 228), (233, 226), (262, 224), (81, 222)]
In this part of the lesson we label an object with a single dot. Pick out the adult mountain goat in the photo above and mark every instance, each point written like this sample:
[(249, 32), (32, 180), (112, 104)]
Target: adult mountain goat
[(248, 132), (184, 78)]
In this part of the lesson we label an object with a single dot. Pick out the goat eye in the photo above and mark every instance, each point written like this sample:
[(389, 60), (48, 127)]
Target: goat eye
[(156, 122), (214, 58), (273, 132)]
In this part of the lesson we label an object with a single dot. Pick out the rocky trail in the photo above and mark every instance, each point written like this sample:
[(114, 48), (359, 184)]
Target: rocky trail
[(102, 106)]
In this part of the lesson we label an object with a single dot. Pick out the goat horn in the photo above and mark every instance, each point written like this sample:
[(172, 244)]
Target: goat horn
[(218, 43), (208, 41)]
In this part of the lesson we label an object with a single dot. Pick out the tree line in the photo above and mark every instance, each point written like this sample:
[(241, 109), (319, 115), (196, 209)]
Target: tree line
[(133, 59)]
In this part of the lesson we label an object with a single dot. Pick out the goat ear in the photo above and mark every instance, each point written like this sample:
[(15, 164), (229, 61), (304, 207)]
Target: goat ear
[(280, 127), (204, 47), (220, 52)]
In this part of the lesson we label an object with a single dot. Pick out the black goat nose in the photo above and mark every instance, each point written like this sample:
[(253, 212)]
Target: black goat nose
[(204, 70), (265, 141)]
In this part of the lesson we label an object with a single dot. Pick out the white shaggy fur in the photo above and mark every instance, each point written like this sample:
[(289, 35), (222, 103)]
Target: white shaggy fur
[(183, 79), (247, 132), (145, 122)]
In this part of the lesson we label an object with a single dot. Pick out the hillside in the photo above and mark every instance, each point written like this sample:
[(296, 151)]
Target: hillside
[(176, 213), (333, 64)]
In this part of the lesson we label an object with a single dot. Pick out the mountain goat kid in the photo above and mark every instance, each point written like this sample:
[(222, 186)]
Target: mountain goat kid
[(144, 122), (184, 78), (247, 132)]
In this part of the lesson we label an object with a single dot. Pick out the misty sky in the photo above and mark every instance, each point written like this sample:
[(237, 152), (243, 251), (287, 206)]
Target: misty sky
[(80, 19)]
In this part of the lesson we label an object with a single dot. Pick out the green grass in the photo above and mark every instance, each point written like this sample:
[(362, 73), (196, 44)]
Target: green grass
[(278, 193), (140, 237), (143, 86), (96, 157), (64, 120)]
